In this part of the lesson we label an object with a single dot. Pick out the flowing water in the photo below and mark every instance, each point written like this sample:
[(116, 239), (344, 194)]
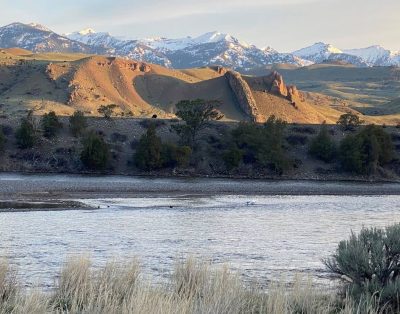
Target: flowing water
[(264, 237)]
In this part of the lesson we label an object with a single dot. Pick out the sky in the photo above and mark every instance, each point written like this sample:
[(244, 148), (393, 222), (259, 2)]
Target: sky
[(285, 25)]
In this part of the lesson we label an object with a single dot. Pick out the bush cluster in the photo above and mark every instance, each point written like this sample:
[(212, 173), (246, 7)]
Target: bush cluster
[(367, 150), (152, 154), (361, 153), (258, 144), (256, 147)]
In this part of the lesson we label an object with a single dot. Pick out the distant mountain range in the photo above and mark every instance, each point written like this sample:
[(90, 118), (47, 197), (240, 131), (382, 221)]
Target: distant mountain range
[(209, 49), (370, 56)]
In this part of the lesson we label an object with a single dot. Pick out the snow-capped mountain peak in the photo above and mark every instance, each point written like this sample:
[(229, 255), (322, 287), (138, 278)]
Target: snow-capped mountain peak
[(91, 37), (186, 42), (318, 52), (213, 37), (40, 27), (38, 38), (376, 55), (87, 31)]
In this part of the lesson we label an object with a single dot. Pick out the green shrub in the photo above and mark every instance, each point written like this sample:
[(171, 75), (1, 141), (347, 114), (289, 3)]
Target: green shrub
[(364, 152), (369, 265), (148, 152), (173, 156), (232, 158), (26, 133), (50, 124), (95, 154), (152, 154), (263, 145), (322, 146), (77, 123), (349, 121)]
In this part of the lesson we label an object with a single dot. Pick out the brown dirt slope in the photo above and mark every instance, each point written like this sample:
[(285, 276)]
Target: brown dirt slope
[(165, 91)]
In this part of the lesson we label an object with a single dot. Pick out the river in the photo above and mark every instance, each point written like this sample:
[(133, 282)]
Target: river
[(264, 237)]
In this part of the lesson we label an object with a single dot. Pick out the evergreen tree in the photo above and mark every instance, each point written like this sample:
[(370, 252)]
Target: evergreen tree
[(50, 124), (26, 133), (148, 153), (77, 123), (322, 146), (95, 154)]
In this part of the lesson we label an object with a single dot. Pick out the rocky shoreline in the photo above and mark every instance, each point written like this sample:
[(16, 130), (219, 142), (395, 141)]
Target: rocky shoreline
[(7, 206), (60, 192)]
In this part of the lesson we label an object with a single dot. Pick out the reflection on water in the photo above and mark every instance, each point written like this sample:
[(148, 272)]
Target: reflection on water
[(262, 236)]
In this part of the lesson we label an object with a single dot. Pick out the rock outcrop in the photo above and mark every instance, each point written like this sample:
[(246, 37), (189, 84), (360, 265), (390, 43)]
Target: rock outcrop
[(244, 95), (124, 64), (278, 86), (274, 84), (293, 94)]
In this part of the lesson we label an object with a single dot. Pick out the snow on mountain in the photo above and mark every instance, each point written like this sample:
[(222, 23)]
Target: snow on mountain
[(37, 38), (345, 58), (376, 55), (165, 44), (207, 49), (90, 37), (186, 42), (87, 31), (213, 48), (215, 37), (318, 52), (370, 56), (40, 27)]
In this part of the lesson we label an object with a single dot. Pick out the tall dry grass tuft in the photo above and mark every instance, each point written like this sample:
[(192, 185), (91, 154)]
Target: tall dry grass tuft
[(34, 302), (9, 287), (81, 289), (195, 287), (210, 291)]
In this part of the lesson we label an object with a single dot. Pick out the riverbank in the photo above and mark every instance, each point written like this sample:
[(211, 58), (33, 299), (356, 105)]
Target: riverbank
[(42, 187), (53, 192)]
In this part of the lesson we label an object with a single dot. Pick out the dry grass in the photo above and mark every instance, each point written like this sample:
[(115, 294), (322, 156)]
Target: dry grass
[(194, 287)]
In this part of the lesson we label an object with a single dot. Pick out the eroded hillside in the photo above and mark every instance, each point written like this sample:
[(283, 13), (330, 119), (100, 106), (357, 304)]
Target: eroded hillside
[(68, 82)]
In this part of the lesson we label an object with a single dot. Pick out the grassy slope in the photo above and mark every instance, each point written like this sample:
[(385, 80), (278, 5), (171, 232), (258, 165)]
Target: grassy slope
[(369, 90)]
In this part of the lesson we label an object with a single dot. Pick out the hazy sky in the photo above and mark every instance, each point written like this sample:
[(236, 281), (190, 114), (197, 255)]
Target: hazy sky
[(285, 25)]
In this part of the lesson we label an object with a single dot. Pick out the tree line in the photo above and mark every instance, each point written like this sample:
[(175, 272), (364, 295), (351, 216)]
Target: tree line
[(363, 150)]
